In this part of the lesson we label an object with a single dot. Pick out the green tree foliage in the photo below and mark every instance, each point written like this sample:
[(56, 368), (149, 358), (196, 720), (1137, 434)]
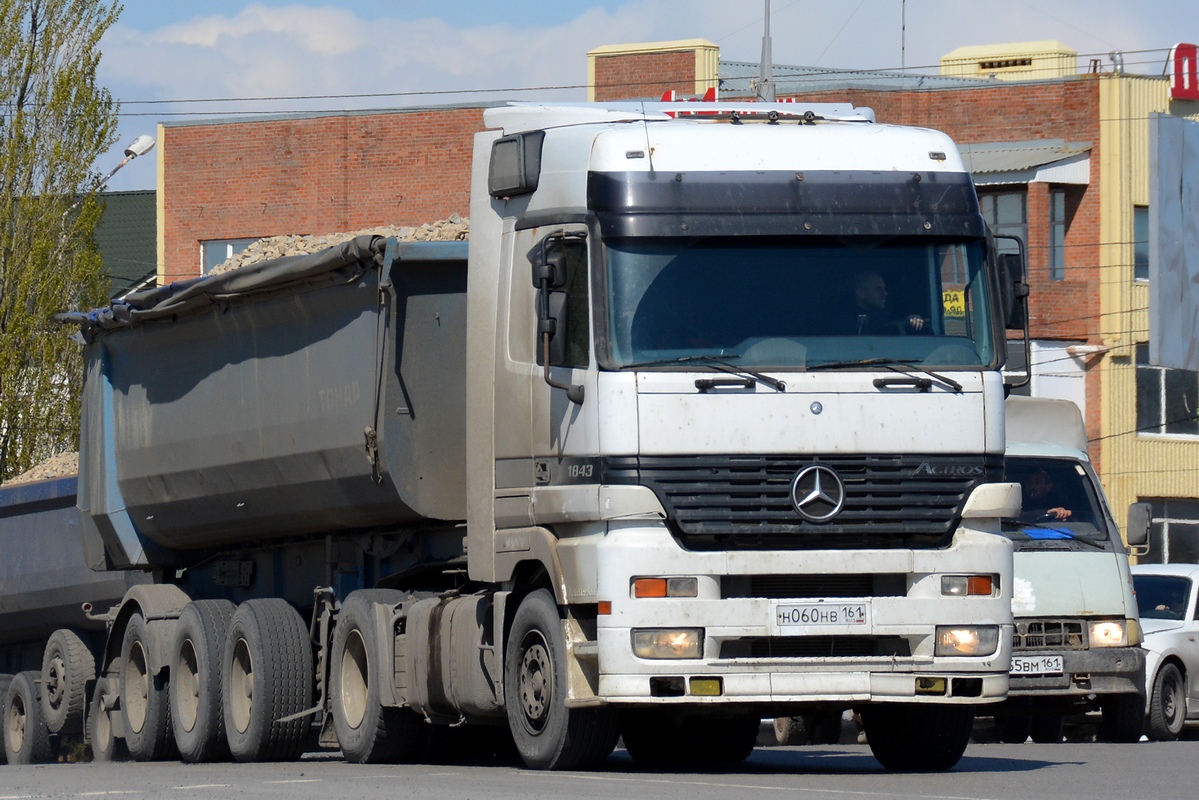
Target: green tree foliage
[(54, 121)]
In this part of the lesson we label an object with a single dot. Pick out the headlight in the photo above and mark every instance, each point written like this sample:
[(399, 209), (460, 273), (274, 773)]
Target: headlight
[(1109, 633), (978, 640), (668, 643)]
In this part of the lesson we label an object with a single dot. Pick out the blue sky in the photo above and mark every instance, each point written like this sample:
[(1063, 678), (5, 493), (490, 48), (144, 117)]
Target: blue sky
[(421, 52)]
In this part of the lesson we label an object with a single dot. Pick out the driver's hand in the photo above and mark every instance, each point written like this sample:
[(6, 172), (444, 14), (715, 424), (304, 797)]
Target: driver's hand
[(1058, 513), (916, 322)]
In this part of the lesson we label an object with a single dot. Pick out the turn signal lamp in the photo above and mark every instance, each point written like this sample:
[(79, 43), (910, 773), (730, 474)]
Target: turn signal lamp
[(668, 642), (665, 587), (978, 640), (968, 585)]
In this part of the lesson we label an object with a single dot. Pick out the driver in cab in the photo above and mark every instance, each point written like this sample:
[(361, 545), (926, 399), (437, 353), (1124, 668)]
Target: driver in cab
[(870, 302)]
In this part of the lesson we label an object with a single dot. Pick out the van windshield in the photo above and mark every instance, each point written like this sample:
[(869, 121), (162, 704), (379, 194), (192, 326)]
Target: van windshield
[(1058, 505), (791, 303)]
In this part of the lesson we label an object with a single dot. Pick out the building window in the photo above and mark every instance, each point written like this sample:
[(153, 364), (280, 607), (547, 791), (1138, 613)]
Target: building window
[(215, 252), (1140, 243), (1174, 531), (1057, 235), (1166, 398), (1006, 213)]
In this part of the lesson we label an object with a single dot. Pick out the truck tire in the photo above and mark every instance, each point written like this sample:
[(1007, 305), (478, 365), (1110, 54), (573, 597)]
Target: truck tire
[(67, 666), (548, 735), (368, 732), (266, 675), (105, 746), (791, 731), (145, 706), (1123, 718), (1167, 705), (26, 737), (908, 737), (657, 739), (5, 682), (197, 721)]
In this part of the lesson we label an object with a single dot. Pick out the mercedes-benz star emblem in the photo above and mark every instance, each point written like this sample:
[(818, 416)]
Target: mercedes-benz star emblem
[(817, 493)]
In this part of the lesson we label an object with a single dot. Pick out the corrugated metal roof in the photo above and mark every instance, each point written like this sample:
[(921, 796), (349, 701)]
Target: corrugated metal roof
[(989, 157)]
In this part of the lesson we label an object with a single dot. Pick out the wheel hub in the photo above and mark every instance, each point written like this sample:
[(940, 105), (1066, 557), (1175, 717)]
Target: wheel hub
[(536, 684)]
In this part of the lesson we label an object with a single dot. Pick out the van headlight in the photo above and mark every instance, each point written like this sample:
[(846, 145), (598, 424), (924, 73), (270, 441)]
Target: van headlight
[(1110, 633)]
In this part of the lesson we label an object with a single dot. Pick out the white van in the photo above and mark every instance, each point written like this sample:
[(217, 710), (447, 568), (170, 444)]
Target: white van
[(1077, 644)]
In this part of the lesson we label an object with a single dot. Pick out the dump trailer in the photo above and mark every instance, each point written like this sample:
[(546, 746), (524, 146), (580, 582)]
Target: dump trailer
[(1077, 645), (635, 461), (46, 583)]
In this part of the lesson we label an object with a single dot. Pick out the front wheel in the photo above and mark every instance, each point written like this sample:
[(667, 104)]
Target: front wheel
[(548, 735), (1167, 705), (907, 737)]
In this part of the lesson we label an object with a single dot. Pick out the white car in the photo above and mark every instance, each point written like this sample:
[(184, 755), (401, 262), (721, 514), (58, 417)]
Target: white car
[(1167, 595)]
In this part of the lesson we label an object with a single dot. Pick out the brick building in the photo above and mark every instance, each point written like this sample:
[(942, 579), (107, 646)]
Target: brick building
[(1060, 157)]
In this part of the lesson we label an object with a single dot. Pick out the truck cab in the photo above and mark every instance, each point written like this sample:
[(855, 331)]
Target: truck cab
[(1077, 641)]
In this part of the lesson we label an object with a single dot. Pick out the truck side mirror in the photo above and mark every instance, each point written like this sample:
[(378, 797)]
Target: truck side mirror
[(1015, 290), (1137, 533), (549, 275)]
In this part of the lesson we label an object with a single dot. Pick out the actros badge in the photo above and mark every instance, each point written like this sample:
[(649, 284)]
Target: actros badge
[(817, 493)]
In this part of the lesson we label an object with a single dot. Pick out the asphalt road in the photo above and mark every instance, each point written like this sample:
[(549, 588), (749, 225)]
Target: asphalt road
[(839, 772)]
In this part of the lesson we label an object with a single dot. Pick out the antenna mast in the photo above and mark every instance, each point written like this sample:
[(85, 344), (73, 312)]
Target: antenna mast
[(766, 69)]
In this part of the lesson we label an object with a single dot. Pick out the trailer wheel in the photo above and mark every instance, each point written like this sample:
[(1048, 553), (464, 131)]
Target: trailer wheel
[(1123, 718), (26, 737), (144, 703), (549, 735), (105, 746), (666, 739), (368, 732), (915, 737), (5, 682), (195, 688), (266, 675), (67, 666)]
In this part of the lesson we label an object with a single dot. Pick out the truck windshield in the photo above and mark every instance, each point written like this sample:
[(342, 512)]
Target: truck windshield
[(792, 303), (1058, 505)]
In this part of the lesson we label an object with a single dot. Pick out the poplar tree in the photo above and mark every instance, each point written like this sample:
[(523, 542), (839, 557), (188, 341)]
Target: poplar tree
[(54, 121)]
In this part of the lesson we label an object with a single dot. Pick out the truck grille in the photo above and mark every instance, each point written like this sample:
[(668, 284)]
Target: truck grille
[(814, 647), (1040, 634), (718, 502)]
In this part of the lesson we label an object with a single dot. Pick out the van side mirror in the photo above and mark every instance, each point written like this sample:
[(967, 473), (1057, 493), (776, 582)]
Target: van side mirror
[(1137, 533)]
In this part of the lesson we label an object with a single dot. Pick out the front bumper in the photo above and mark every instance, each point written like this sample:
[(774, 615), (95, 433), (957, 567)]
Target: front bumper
[(757, 660), (1101, 671)]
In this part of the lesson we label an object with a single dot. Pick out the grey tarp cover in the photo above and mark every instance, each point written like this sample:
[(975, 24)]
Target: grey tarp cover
[(339, 264)]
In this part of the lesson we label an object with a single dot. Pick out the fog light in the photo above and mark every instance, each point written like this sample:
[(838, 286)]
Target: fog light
[(668, 643), (980, 640), (1109, 633), (968, 585), (932, 686), (707, 687)]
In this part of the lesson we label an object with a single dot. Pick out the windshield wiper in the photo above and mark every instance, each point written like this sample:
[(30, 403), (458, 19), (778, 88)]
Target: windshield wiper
[(905, 367), (718, 361)]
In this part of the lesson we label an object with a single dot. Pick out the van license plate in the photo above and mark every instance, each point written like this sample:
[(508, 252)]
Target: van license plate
[(1036, 665)]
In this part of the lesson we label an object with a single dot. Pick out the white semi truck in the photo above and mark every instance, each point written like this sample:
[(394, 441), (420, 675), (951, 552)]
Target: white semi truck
[(646, 462)]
